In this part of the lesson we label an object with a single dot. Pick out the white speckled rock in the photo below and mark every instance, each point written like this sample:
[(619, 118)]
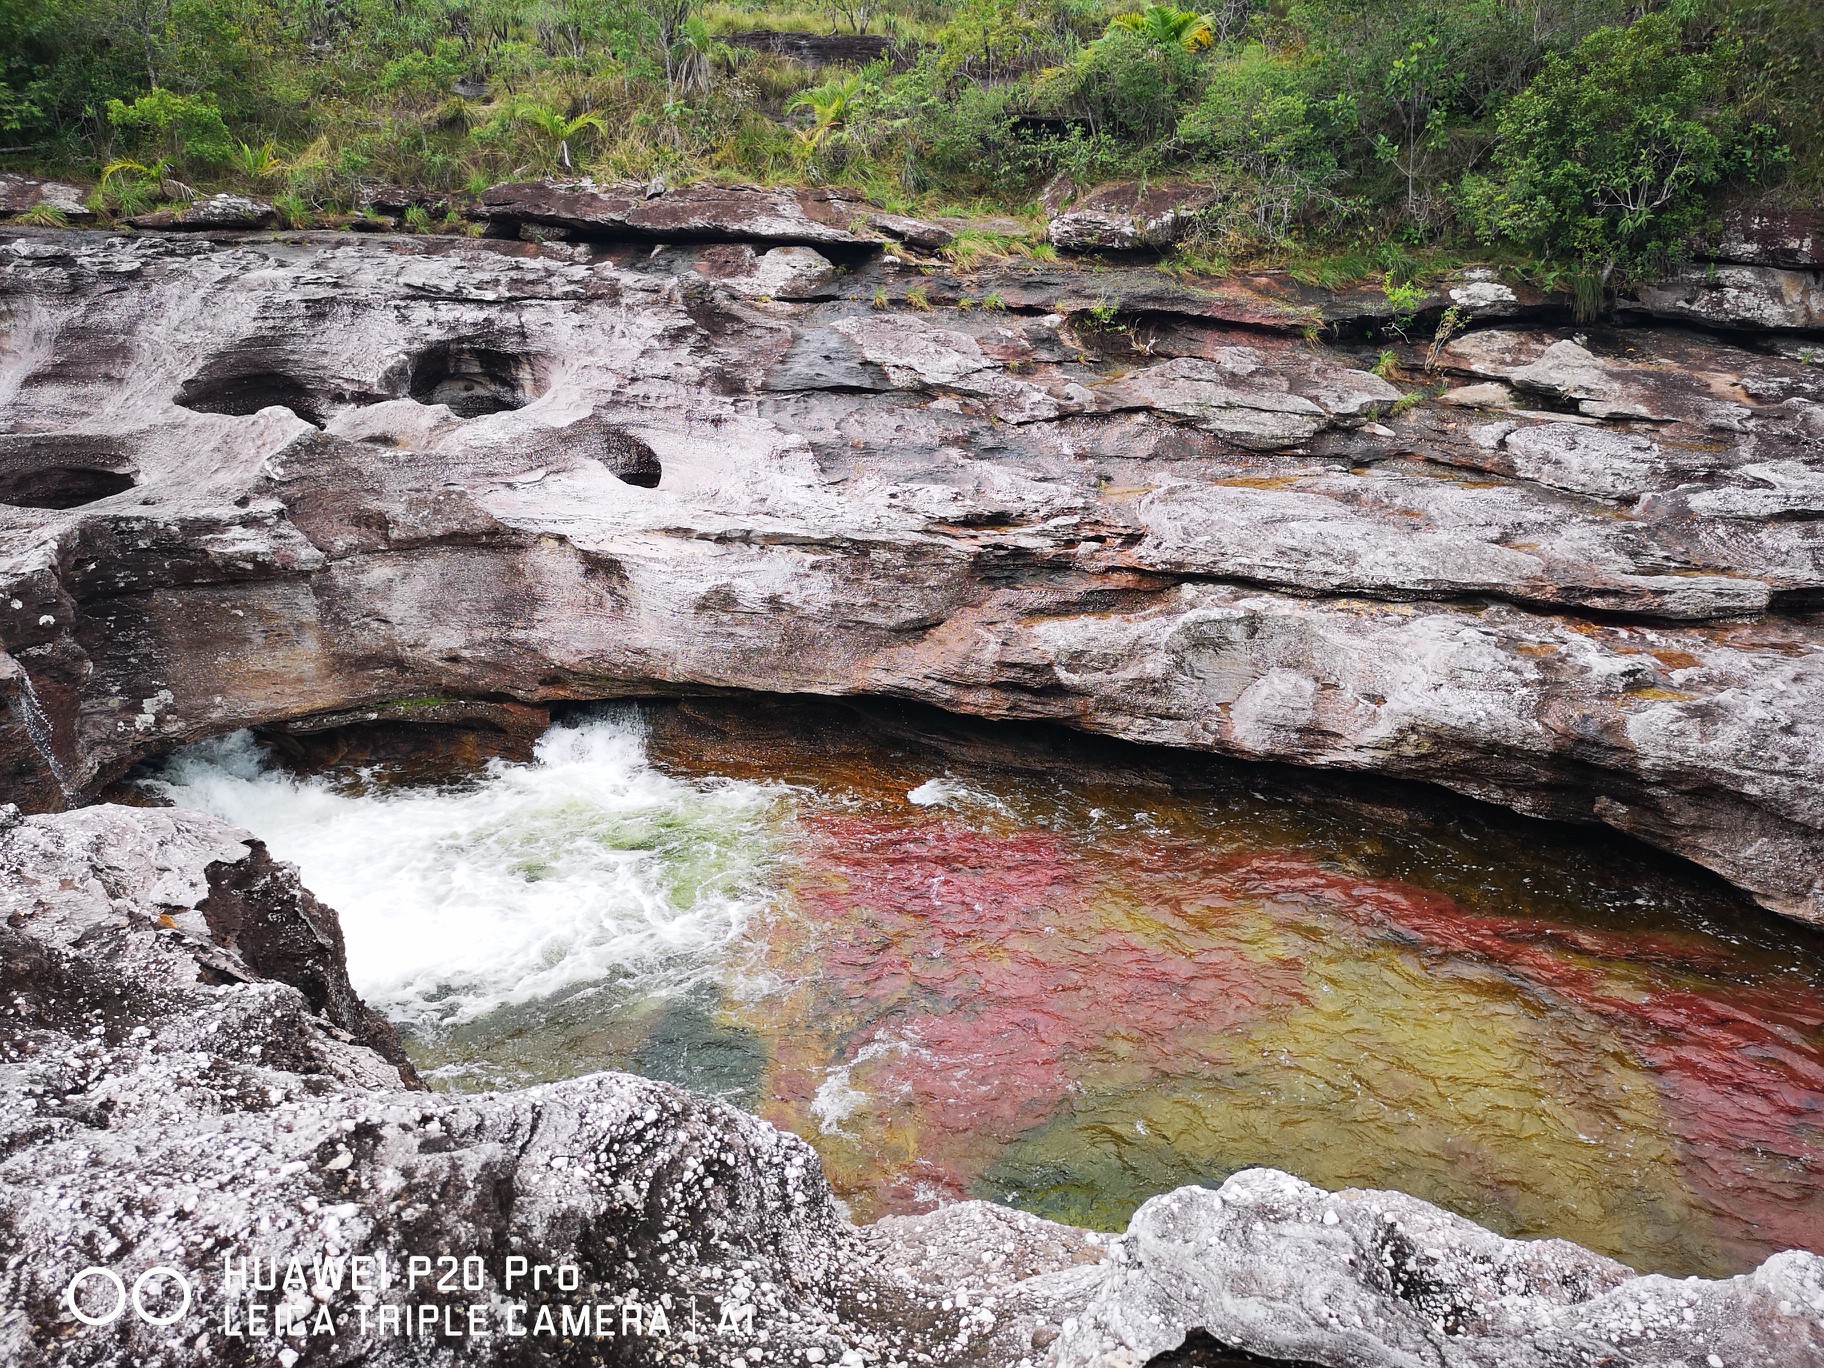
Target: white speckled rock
[(1766, 297), (243, 483), (1272, 1265)]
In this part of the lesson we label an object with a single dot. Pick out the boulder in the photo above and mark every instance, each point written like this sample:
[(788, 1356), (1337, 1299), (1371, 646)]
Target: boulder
[(778, 273), (219, 213), (395, 201), (21, 193), (1129, 216), (694, 213), (913, 232), (1791, 238), (1280, 1269), (1763, 298), (1487, 395)]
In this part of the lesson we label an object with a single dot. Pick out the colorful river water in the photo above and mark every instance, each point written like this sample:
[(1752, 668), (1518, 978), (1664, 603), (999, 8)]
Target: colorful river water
[(1067, 976)]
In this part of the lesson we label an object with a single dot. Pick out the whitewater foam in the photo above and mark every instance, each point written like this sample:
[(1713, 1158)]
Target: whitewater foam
[(586, 865)]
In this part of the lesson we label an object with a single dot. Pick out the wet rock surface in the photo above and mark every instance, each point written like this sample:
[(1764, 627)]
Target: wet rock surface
[(353, 471), (166, 1104)]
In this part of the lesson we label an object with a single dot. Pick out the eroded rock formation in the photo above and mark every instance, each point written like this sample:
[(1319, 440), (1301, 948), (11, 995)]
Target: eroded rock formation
[(252, 481), (187, 1086)]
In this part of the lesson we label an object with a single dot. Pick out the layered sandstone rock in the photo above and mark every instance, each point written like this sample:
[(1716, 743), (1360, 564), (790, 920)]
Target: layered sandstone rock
[(223, 212), (700, 213), (1129, 216), (253, 483), (1766, 298), (18, 194)]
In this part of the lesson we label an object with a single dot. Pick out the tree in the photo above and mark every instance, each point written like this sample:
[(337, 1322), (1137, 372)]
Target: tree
[(857, 14), (1605, 157), (1417, 85), (830, 106), (668, 18), (187, 127), (1135, 78), (553, 124), (696, 53)]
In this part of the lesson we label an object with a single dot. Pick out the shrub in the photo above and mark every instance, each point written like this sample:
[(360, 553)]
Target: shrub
[(188, 127), (1260, 117), (1133, 82), (1604, 159)]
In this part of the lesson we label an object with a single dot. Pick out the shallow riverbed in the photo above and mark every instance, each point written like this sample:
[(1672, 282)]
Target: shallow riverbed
[(1068, 975)]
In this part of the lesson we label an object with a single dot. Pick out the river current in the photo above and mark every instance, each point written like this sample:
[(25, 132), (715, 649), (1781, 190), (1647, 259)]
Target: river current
[(1067, 975)]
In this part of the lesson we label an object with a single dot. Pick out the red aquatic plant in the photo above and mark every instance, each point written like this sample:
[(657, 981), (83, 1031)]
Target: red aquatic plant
[(1006, 967)]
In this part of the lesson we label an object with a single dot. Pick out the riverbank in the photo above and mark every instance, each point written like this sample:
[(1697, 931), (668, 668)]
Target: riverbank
[(344, 487)]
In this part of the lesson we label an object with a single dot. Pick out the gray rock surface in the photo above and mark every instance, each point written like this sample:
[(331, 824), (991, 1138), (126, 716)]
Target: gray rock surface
[(20, 193), (1129, 216), (695, 213), (1286, 1270), (213, 212), (253, 482), (1759, 297), (181, 1091)]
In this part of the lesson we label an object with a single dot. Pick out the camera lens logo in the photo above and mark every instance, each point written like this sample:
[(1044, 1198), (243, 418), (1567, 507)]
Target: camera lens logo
[(151, 1279)]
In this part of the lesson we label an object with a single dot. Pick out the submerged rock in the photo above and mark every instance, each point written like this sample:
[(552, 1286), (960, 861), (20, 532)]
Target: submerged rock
[(189, 1102)]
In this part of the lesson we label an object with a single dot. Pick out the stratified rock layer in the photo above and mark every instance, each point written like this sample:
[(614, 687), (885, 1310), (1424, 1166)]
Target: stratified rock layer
[(1130, 216), (255, 482), (180, 1091), (695, 213)]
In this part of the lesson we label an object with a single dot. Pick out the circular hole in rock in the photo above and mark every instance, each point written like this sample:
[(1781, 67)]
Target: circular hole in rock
[(473, 379), (61, 470), (629, 458), (237, 389), (60, 486)]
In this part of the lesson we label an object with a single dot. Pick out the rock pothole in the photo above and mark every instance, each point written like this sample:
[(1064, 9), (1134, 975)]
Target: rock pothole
[(61, 486), (631, 460), (474, 378), (60, 473), (239, 393)]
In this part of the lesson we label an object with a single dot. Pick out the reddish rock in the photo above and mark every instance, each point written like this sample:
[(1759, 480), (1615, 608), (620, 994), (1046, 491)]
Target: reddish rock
[(696, 213), (21, 193), (1129, 216), (913, 232), (1772, 237)]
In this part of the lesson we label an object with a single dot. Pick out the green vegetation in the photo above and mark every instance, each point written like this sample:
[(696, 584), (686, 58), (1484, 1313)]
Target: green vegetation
[(1345, 138)]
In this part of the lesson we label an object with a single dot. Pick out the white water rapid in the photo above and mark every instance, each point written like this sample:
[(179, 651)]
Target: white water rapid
[(583, 866)]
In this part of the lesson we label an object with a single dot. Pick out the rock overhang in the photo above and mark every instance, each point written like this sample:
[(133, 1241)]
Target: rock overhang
[(680, 485)]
